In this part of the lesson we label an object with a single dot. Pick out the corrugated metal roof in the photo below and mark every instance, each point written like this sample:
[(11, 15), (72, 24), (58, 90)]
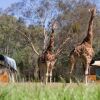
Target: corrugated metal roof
[(11, 62), (8, 61)]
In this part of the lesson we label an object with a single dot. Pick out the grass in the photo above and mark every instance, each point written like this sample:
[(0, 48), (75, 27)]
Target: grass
[(36, 91)]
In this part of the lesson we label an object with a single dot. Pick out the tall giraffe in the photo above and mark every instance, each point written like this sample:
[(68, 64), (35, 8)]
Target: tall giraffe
[(47, 60), (84, 51)]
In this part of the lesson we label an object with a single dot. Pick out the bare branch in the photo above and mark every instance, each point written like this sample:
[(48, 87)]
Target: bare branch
[(64, 42), (60, 48), (46, 40), (29, 40), (33, 47)]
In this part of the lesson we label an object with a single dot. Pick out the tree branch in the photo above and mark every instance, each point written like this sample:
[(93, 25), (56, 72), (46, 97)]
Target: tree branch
[(60, 48), (29, 40)]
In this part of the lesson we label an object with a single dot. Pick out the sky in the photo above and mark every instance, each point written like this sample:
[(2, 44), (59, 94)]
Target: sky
[(97, 2), (6, 3)]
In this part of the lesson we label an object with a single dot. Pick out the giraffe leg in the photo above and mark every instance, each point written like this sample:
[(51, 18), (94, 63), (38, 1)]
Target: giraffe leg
[(46, 80), (71, 72), (72, 64), (42, 73), (88, 60), (47, 74), (86, 76), (86, 73), (51, 76), (51, 65)]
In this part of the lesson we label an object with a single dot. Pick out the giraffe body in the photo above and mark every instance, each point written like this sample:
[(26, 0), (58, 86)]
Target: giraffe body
[(84, 51), (46, 61)]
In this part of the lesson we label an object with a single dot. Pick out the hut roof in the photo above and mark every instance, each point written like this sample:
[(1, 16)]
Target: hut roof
[(95, 60), (8, 61), (96, 63)]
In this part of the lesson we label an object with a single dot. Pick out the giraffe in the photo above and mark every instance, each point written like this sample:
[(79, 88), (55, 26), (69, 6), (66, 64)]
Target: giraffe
[(84, 50), (47, 60)]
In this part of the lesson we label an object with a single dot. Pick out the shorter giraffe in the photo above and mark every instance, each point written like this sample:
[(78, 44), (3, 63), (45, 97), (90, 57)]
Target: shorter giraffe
[(47, 60), (84, 51)]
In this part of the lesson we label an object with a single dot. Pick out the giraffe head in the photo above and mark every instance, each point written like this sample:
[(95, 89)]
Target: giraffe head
[(54, 24), (93, 11)]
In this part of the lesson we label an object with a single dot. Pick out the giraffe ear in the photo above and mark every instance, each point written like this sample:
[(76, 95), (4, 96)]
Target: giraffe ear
[(89, 10), (55, 25)]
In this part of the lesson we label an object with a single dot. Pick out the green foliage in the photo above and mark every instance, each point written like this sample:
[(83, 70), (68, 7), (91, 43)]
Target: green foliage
[(72, 17), (76, 28), (97, 55), (13, 43), (30, 91)]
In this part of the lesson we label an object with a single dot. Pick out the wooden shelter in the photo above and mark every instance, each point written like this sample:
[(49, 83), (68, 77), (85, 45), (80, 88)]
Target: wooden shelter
[(8, 69), (94, 71)]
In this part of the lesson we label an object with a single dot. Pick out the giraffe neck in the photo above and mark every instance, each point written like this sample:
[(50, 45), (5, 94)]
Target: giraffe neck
[(89, 37), (51, 42)]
